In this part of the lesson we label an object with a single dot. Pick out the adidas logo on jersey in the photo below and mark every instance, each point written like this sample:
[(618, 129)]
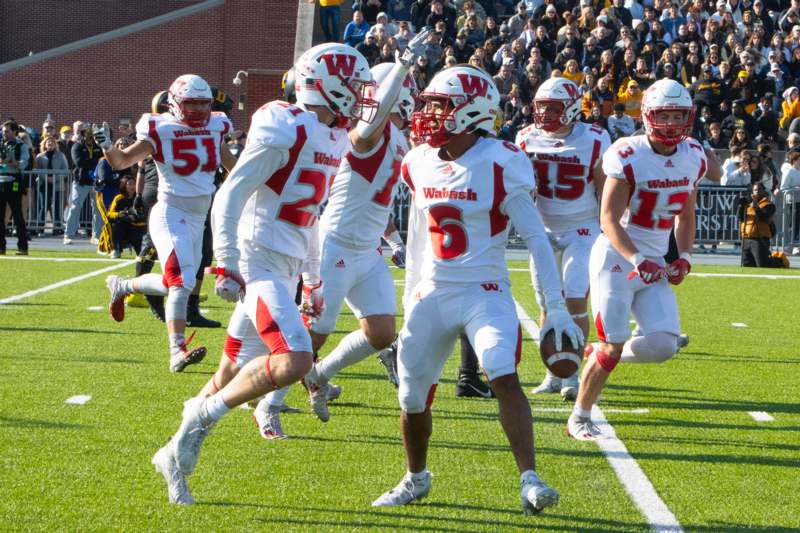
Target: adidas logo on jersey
[(448, 170), (616, 268), (340, 263), (669, 164)]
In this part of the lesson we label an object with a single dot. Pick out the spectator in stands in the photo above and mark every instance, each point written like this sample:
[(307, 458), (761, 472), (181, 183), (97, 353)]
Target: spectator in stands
[(65, 143), (715, 138), (768, 121), (370, 9), (643, 75), (125, 129), (621, 14), (742, 176), (329, 16), (85, 155), (791, 109), (505, 80), (789, 193), (732, 164), (739, 118), (461, 48), (631, 98), (756, 222), (51, 185), (369, 49), (127, 224), (764, 151), (740, 139), (620, 124), (389, 27), (516, 24), (591, 53), (13, 158), (356, 30), (793, 141), (236, 142), (602, 97), (760, 173), (475, 35), (49, 129)]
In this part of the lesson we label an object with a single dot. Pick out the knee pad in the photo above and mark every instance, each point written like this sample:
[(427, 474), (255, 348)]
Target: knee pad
[(177, 301), (651, 348), (605, 361)]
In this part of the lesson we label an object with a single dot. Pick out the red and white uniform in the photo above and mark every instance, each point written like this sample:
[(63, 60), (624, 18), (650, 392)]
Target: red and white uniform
[(267, 213), (660, 188), (360, 203), (456, 274), (186, 159), (566, 198)]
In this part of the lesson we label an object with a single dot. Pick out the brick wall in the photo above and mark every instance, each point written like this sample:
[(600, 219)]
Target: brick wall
[(35, 26), (118, 78)]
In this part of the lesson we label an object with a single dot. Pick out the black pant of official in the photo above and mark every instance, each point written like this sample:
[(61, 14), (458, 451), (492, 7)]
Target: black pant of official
[(124, 233), (12, 197), (755, 253)]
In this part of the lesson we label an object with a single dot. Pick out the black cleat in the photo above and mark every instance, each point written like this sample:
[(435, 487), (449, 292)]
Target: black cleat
[(196, 320), (472, 386)]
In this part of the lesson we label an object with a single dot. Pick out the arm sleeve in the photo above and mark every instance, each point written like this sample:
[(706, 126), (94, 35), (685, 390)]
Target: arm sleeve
[(386, 97), (529, 225), (310, 268), (256, 162)]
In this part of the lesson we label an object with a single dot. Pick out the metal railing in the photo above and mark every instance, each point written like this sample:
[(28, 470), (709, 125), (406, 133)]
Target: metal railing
[(47, 200), (787, 219)]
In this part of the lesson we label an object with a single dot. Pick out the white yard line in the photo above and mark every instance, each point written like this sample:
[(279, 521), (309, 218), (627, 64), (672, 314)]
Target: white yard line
[(61, 259), (79, 399), (761, 416), (738, 324), (64, 283), (628, 471)]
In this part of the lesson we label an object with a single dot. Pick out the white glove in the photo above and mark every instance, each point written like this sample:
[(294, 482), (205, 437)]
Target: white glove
[(560, 321), (416, 47), (102, 136), (229, 285), (398, 249), (312, 303)]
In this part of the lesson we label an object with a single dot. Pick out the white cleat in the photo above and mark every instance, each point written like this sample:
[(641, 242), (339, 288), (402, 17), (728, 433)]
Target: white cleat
[(388, 358), (550, 383), (405, 492), (569, 388), (317, 394), (167, 466), (195, 427), (334, 391), (181, 356), (117, 304), (268, 420), (535, 495), (683, 341), (582, 428)]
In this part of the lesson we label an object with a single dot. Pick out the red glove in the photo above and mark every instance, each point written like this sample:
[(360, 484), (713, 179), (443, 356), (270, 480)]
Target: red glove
[(312, 303), (648, 271), (678, 269)]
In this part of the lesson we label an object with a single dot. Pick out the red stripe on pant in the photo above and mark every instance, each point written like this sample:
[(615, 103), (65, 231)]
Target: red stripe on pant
[(172, 272), (598, 325), (269, 330), (232, 348), (431, 394), (518, 351)]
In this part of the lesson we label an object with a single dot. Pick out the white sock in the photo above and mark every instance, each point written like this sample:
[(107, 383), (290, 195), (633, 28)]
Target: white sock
[(352, 349), (176, 339), (127, 285), (216, 407), (150, 284), (580, 412), (277, 397), (419, 476)]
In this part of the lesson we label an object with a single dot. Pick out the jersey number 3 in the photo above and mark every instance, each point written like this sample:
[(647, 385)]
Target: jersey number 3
[(448, 234)]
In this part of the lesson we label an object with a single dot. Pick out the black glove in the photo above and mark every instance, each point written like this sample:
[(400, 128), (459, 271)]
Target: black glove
[(138, 203)]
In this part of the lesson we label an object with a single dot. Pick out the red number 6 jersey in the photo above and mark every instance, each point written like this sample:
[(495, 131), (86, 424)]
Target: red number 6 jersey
[(660, 186)]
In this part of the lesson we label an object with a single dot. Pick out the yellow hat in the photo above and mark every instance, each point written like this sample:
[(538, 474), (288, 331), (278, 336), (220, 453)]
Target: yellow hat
[(742, 74), (64, 129)]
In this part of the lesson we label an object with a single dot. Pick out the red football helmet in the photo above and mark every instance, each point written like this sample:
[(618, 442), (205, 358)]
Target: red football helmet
[(190, 89), (667, 95)]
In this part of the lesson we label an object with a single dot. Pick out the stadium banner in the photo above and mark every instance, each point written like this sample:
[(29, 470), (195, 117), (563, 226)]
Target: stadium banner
[(715, 212)]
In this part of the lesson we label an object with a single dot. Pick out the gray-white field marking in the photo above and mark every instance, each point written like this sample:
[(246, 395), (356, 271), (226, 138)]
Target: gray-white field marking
[(738, 324), (64, 283), (569, 410), (61, 259), (761, 416), (708, 275), (95, 308), (628, 471), (79, 399)]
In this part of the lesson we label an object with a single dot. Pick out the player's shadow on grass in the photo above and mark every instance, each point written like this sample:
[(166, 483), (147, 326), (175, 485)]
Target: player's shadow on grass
[(64, 330), (79, 358), (662, 422), (396, 441), (705, 356), (707, 405), (716, 442), (26, 423)]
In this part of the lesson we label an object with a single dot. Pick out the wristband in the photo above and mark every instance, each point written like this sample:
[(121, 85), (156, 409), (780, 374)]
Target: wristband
[(687, 256), (394, 240), (636, 259)]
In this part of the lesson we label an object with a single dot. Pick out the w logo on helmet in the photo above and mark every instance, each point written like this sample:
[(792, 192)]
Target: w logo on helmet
[(340, 64), (572, 90), (474, 85)]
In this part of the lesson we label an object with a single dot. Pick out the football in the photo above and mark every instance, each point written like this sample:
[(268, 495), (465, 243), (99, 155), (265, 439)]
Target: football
[(562, 363)]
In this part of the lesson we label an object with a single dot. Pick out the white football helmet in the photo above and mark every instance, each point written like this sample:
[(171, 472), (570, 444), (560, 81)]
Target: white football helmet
[(337, 77), (407, 100), (470, 103), (556, 91), (190, 89), (667, 95)]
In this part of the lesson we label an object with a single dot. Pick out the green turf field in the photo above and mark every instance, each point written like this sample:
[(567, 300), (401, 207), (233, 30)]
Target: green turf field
[(87, 467)]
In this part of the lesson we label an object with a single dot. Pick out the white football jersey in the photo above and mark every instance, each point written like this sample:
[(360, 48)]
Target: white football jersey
[(660, 187), (186, 158), (463, 202), (565, 192), (362, 192), (282, 212)]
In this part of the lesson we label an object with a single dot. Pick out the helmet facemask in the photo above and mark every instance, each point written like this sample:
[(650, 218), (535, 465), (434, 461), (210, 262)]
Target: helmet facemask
[(432, 124), (668, 133), (548, 114), (364, 105)]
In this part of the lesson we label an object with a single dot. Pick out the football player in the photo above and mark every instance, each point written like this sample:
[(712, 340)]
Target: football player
[(566, 161), (466, 186), (187, 146), (356, 217), (651, 185), (265, 226)]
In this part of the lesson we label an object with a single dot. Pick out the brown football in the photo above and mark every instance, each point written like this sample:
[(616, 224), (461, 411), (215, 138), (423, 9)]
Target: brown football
[(564, 363)]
